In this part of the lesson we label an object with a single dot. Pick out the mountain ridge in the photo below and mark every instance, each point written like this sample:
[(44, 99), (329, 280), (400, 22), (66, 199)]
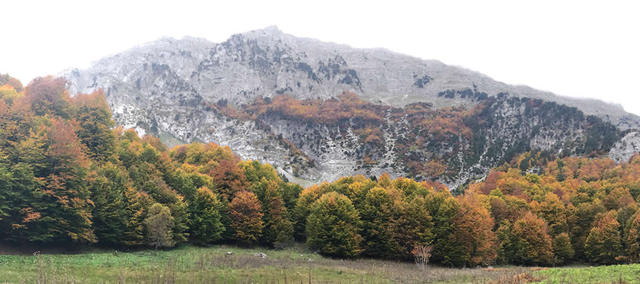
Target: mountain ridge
[(182, 89), (269, 35)]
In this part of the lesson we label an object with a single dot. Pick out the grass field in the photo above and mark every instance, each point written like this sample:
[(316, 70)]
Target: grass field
[(294, 265), (629, 273)]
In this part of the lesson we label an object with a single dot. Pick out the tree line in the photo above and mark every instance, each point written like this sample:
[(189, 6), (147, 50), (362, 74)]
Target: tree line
[(553, 212), (68, 175)]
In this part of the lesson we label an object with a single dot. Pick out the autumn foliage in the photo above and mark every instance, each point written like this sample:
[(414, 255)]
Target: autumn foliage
[(573, 209), (246, 217), (69, 176)]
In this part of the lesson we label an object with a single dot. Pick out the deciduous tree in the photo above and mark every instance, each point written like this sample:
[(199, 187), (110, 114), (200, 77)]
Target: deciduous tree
[(205, 219), (473, 241), (246, 218), (603, 245), (562, 249), (159, 224), (333, 226), (278, 230)]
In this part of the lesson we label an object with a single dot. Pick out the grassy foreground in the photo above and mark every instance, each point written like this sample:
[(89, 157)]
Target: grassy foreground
[(628, 273), (294, 265)]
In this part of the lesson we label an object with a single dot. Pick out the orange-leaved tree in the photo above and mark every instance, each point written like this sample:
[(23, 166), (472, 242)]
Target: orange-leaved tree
[(472, 237), (246, 214), (603, 244), (532, 241)]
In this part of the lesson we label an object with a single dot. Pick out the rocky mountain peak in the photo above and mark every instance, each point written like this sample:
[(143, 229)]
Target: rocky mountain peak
[(272, 31), (191, 89)]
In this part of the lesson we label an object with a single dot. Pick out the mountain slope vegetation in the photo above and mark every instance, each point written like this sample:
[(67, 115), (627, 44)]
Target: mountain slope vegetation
[(67, 176)]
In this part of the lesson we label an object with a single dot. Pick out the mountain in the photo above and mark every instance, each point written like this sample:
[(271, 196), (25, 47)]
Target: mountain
[(318, 110)]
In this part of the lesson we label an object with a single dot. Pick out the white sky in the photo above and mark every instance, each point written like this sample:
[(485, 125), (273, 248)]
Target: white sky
[(571, 48)]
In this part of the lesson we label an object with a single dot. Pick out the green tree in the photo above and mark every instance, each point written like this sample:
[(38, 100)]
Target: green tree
[(6, 184), (255, 171), (552, 210), (181, 217), (333, 226), (159, 224), (378, 216), (443, 208), (290, 193), (278, 228), (118, 209), (562, 249), (205, 222), (59, 209), (17, 187), (95, 123), (303, 208), (412, 228), (582, 217), (508, 245)]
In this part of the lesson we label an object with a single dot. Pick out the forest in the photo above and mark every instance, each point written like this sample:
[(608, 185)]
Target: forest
[(69, 176)]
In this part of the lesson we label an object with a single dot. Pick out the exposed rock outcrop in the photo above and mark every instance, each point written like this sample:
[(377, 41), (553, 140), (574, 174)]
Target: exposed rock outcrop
[(177, 89)]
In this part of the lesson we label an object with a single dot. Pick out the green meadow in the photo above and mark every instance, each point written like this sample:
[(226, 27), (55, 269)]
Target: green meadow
[(214, 265), (293, 265)]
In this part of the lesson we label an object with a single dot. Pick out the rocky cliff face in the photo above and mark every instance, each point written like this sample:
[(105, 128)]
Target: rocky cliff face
[(232, 93), (626, 147)]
